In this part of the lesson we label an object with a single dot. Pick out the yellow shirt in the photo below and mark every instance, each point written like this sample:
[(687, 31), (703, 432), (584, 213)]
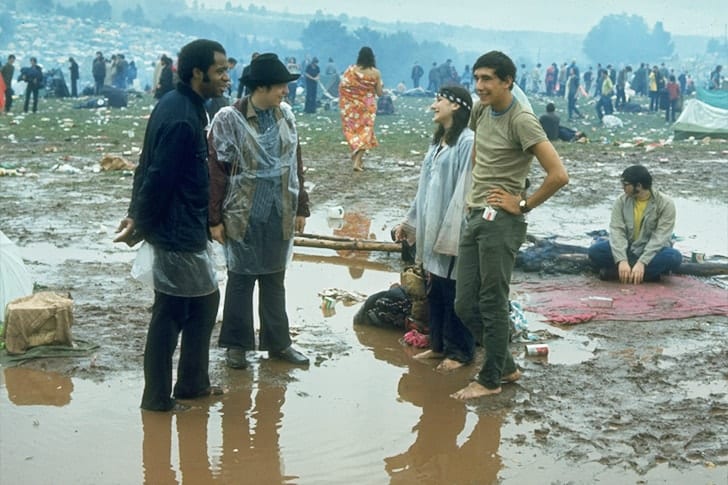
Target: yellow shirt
[(653, 81), (639, 212)]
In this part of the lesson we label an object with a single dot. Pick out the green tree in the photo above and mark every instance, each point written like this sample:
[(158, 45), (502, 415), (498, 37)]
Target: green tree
[(327, 38), (37, 5), (718, 47), (7, 29), (661, 44), (135, 16), (626, 38)]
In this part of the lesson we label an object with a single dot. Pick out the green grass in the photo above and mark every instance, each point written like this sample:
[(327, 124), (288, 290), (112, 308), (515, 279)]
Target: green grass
[(59, 128)]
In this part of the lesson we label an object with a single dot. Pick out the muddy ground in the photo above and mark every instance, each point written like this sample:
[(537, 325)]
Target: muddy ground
[(648, 402)]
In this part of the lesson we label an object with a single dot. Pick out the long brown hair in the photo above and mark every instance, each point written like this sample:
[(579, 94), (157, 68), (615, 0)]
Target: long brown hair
[(460, 117)]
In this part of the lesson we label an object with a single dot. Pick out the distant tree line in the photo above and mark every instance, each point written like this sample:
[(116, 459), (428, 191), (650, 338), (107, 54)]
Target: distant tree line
[(627, 39), (395, 52), (615, 39)]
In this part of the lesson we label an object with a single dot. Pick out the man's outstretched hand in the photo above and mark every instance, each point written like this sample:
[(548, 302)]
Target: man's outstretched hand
[(126, 232)]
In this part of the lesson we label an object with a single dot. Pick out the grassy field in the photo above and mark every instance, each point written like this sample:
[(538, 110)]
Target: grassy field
[(60, 134), (85, 132)]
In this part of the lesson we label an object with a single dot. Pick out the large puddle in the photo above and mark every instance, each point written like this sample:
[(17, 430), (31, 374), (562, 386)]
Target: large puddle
[(365, 412)]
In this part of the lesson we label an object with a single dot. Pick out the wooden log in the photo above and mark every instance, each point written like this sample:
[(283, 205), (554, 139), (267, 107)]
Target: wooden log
[(325, 237), (567, 260), (703, 269), (349, 244), (573, 261)]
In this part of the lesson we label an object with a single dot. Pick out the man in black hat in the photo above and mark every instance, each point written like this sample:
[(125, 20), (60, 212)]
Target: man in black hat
[(257, 202)]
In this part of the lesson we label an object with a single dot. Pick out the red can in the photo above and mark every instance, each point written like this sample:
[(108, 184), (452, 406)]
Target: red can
[(537, 349)]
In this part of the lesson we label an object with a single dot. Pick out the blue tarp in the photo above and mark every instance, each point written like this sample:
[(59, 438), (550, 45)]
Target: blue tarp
[(717, 98)]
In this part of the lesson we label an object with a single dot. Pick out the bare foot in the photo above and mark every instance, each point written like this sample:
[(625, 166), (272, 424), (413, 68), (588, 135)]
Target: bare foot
[(512, 377), (429, 354), (474, 390), (358, 162), (449, 365)]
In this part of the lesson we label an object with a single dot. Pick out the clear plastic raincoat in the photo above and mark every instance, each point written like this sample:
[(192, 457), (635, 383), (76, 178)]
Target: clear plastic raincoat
[(261, 199)]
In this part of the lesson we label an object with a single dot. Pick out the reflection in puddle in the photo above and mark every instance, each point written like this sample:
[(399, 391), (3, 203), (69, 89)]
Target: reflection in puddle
[(29, 387), (365, 412), (695, 390), (47, 253), (697, 225)]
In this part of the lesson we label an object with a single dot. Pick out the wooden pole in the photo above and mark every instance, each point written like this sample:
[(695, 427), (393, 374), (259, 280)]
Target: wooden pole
[(573, 259), (337, 243)]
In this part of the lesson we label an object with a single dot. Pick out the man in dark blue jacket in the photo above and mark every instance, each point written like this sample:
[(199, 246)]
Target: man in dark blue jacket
[(168, 209), (33, 77)]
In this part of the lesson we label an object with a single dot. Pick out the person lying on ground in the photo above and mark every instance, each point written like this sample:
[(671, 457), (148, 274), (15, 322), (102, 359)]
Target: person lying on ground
[(551, 124)]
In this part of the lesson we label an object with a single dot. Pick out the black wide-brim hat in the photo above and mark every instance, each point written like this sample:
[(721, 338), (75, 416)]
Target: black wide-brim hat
[(267, 69)]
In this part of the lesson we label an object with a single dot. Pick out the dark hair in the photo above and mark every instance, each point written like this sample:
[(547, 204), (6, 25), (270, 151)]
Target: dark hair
[(637, 174), (198, 54), (366, 58), (500, 63), (550, 108), (460, 117)]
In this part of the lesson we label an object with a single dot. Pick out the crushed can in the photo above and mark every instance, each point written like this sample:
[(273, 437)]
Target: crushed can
[(537, 349)]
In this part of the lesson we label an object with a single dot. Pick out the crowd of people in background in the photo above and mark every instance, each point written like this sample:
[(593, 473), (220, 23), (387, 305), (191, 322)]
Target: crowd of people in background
[(608, 87), (246, 210)]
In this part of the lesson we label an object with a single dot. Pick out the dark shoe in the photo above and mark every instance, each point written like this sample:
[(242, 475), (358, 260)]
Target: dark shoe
[(235, 359), (180, 408), (652, 279), (608, 274), (210, 391), (290, 355)]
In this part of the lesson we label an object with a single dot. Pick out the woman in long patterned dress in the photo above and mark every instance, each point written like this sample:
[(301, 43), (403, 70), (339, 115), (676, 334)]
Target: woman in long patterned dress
[(360, 85)]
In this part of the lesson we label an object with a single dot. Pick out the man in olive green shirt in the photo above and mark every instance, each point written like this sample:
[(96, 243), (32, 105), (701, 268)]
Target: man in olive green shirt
[(507, 137)]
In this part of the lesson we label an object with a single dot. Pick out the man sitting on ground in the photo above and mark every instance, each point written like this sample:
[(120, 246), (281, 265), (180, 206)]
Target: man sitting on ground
[(551, 124), (639, 247)]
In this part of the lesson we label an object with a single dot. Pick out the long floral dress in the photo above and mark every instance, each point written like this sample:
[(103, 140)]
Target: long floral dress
[(358, 106)]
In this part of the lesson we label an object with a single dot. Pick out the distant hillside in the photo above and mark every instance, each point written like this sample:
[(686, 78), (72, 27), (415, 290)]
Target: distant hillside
[(243, 31)]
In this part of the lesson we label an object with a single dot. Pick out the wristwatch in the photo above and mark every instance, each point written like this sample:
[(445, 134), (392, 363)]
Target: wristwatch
[(523, 206)]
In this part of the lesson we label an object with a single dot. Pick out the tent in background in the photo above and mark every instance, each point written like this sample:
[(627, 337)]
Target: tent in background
[(15, 281), (706, 115)]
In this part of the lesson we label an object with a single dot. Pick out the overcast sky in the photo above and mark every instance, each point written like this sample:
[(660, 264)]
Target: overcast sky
[(700, 17)]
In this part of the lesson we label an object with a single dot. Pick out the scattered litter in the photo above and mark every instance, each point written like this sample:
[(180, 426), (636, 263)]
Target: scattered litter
[(345, 296), (111, 162), (611, 121), (336, 212), (65, 168), (416, 339), (598, 301)]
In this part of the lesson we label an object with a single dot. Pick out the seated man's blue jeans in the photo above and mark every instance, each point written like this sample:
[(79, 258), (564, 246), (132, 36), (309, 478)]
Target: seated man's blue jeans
[(665, 261)]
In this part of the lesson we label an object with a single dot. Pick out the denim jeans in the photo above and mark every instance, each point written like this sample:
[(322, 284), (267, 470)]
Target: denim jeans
[(604, 106), (487, 254), (665, 261), (448, 334)]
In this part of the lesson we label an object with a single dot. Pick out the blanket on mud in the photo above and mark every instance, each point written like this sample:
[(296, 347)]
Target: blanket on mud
[(582, 298)]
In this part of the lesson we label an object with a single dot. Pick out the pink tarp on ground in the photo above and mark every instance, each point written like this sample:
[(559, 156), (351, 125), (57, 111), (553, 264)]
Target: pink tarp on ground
[(581, 298)]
